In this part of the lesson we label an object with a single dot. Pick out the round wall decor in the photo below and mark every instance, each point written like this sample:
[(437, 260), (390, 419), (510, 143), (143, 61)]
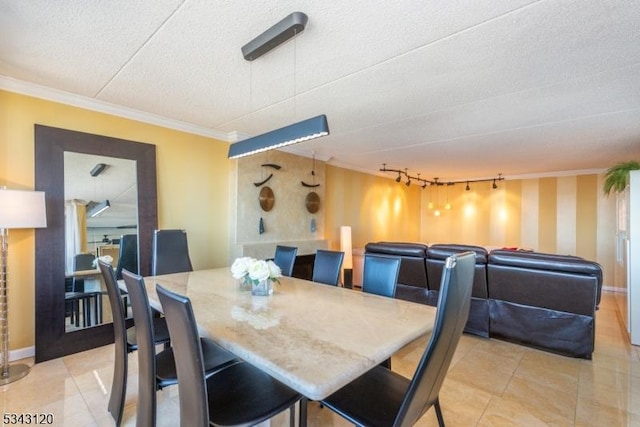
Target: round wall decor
[(312, 202), (267, 199)]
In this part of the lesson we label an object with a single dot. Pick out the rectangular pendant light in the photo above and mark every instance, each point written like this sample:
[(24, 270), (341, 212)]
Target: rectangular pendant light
[(97, 209), (305, 130)]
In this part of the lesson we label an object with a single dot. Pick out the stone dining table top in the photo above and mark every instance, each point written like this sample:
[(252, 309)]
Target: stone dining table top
[(315, 338)]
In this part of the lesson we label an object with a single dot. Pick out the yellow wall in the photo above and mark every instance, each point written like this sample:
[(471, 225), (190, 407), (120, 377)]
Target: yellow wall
[(376, 208), (193, 188)]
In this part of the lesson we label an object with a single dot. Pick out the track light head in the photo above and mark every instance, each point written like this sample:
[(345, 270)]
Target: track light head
[(467, 188), (408, 183), (398, 178), (494, 186)]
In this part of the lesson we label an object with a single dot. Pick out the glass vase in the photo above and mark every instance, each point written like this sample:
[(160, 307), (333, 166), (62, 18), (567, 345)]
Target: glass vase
[(244, 284), (262, 288)]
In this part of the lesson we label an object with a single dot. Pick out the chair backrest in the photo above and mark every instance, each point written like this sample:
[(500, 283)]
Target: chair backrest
[(83, 262), (451, 316), (170, 252), (128, 255), (326, 267), (285, 258), (120, 339), (142, 319), (187, 351), (380, 275), (117, 309)]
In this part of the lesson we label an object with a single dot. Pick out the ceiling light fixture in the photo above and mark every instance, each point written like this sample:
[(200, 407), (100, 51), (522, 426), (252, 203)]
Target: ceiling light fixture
[(289, 27), (94, 209), (426, 182), (305, 130), (98, 169)]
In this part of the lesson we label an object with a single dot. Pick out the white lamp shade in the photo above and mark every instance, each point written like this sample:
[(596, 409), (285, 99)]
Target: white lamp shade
[(345, 246), (22, 209)]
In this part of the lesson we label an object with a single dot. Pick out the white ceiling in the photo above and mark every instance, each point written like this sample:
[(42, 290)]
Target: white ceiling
[(454, 89)]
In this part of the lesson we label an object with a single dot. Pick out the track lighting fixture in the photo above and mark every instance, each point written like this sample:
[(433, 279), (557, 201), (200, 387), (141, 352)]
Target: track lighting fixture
[(425, 182)]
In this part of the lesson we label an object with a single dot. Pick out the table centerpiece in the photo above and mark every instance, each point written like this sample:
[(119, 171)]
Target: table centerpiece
[(256, 274)]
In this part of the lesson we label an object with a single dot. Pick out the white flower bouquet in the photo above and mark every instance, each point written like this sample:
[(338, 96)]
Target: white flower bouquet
[(255, 271)]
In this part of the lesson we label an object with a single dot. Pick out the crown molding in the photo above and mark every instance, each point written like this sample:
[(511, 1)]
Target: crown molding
[(31, 89), (558, 174)]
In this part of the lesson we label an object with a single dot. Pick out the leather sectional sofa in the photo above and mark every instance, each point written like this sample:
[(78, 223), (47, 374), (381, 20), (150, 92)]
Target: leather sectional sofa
[(541, 300)]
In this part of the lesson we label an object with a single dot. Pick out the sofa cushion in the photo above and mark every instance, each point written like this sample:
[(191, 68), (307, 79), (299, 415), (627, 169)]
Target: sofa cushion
[(437, 255), (413, 270), (441, 251), (542, 265), (397, 248)]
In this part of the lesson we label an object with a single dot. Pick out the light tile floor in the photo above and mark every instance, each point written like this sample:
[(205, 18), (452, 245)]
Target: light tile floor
[(490, 383)]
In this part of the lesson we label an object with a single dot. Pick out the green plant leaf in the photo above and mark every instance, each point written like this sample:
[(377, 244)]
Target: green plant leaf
[(617, 176)]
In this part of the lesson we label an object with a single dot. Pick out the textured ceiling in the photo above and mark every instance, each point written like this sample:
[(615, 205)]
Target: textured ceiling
[(453, 89)]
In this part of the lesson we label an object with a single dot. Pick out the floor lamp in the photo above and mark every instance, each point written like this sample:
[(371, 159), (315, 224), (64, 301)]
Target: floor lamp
[(347, 265), (18, 209)]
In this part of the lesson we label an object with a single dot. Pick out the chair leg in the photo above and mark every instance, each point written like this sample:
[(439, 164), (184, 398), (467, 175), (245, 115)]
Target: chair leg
[(439, 412), (292, 416), (303, 412)]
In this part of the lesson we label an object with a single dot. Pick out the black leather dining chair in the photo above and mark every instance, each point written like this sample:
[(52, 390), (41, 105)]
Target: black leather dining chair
[(170, 252), (81, 262), (158, 370), (380, 275), (124, 342), (326, 267), (285, 258), (239, 395), (382, 397), (127, 255)]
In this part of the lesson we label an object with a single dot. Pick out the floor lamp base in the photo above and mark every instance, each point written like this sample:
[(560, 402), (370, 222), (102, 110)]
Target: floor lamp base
[(14, 373), (348, 278)]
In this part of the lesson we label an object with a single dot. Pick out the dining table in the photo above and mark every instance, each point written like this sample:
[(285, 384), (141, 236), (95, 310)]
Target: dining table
[(315, 338)]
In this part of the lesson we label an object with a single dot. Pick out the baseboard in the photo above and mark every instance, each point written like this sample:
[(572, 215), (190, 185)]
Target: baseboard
[(22, 353), (613, 289)]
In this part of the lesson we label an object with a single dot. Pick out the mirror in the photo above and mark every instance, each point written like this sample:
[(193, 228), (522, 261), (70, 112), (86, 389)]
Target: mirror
[(51, 144), (101, 210)]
